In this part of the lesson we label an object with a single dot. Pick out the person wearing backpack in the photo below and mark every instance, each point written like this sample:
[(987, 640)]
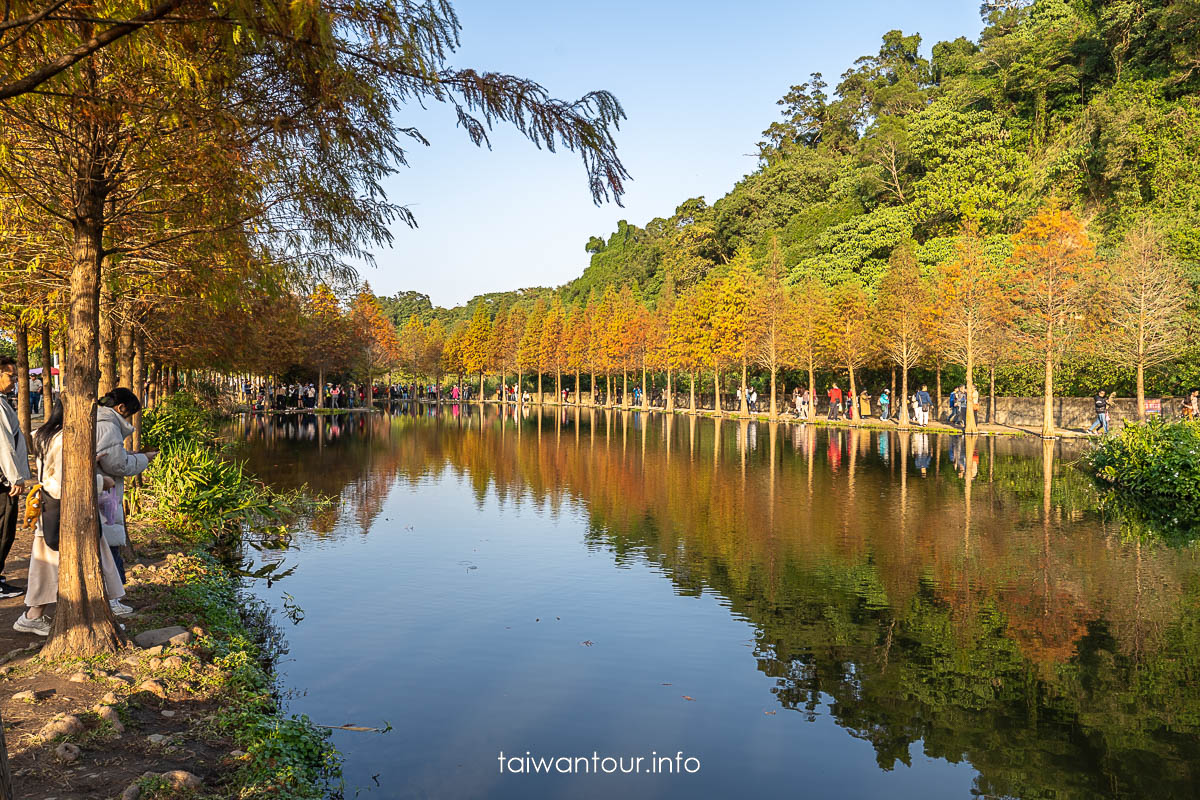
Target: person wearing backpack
[(924, 402), (43, 557)]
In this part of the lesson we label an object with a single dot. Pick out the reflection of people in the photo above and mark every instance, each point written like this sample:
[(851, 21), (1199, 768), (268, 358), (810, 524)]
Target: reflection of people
[(958, 454), (921, 457)]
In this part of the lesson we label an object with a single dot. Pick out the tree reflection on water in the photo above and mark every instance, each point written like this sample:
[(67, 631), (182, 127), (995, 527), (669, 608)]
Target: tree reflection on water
[(961, 592)]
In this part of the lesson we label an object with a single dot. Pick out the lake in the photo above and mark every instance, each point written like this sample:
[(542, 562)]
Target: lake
[(748, 608)]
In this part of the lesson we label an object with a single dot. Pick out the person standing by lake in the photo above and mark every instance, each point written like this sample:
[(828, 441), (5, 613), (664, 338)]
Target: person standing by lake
[(112, 428), (35, 395), (864, 404), (923, 404), (14, 470), (835, 401), (1101, 413), (43, 557), (885, 405)]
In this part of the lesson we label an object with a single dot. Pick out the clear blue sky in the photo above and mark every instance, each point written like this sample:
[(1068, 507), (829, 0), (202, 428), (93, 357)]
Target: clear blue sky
[(698, 81)]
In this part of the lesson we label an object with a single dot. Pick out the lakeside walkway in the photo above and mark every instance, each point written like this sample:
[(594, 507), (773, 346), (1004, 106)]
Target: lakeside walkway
[(984, 429)]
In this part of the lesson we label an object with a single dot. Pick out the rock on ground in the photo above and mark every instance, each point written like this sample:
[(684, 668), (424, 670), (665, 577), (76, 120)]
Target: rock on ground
[(181, 779), (163, 636), (67, 752), (62, 725), (110, 715)]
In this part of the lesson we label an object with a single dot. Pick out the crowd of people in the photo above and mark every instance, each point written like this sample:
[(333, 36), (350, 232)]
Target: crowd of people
[(839, 404), (282, 397), (114, 463), (850, 405)]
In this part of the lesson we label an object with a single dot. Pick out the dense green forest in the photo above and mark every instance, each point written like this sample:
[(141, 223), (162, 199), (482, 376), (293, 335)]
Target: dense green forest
[(1093, 103)]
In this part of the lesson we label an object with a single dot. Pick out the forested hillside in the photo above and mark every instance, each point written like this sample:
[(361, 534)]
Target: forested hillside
[(1090, 104), (1093, 102)]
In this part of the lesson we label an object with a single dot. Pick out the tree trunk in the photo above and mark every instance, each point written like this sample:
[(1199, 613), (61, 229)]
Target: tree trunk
[(481, 389), (812, 390), (893, 391), (558, 386), (320, 387), (717, 391), (624, 388), (592, 389), (126, 378), (139, 384), (645, 399), (692, 385), (47, 373), (24, 411), (853, 394), (904, 420), (937, 406), (969, 422), (539, 387), (1048, 399), (992, 393), (744, 403), (6, 783), (83, 624), (774, 407), (370, 391), (109, 332), (1141, 390), (669, 402)]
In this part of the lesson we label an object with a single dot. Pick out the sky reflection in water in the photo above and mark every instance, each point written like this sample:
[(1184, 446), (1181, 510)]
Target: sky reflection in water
[(852, 613)]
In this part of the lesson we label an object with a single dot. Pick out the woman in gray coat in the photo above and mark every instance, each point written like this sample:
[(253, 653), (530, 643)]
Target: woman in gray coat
[(112, 428)]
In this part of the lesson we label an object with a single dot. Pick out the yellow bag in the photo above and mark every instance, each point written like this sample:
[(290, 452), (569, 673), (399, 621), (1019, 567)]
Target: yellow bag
[(33, 505)]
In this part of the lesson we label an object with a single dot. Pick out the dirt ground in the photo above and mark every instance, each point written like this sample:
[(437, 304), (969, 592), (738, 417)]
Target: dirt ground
[(108, 761)]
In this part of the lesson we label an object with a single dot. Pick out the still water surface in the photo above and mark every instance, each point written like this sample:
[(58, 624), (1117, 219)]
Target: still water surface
[(807, 612)]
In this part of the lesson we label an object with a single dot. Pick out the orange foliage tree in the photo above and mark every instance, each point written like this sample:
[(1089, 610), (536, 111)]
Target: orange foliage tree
[(1053, 256)]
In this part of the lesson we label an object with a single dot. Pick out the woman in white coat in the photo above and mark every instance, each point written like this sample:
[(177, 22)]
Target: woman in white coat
[(43, 559), (112, 428)]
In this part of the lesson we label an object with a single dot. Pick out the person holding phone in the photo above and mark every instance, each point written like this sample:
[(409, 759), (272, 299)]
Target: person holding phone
[(113, 426)]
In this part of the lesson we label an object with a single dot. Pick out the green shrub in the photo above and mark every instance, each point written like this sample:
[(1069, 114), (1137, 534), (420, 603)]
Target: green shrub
[(195, 489), (1153, 471), (178, 417)]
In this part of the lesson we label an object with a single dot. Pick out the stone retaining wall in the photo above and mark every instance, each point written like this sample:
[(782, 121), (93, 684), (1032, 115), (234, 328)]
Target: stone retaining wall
[(1070, 412)]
